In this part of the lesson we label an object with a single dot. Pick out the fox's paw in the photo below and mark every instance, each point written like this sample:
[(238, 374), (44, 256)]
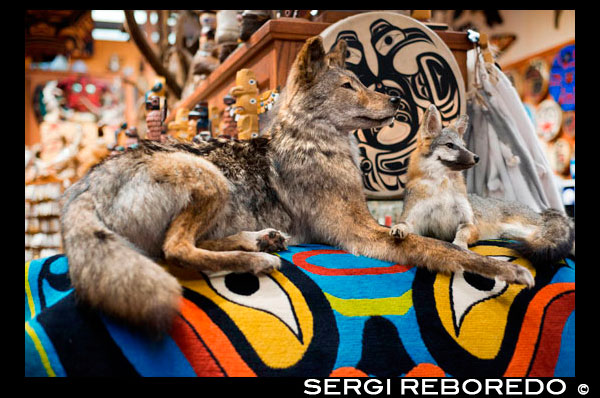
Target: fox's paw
[(400, 231), (265, 263), (461, 244), (270, 240), (519, 275)]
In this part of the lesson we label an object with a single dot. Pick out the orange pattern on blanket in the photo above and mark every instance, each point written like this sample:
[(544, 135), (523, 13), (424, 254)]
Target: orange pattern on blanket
[(215, 341), (531, 328), (426, 370), (348, 371)]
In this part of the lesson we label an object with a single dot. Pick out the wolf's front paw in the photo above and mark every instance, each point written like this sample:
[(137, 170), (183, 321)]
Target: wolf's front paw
[(519, 275), (271, 240), (400, 231), (266, 263)]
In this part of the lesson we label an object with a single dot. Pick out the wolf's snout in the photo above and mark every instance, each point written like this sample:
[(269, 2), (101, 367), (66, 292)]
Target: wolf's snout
[(476, 158), (395, 101)]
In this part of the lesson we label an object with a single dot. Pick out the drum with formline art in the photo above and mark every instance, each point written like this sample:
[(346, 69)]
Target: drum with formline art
[(397, 55)]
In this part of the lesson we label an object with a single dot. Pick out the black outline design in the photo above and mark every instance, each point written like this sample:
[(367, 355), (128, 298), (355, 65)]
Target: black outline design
[(299, 335), (448, 354), (434, 80), (320, 355)]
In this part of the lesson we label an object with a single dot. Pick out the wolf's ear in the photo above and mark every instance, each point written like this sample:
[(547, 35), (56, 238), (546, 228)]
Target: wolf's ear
[(432, 122), (337, 55), (310, 61), (461, 124)]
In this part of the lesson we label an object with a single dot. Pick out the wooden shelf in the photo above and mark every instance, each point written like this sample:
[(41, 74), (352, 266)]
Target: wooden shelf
[(270, 53)]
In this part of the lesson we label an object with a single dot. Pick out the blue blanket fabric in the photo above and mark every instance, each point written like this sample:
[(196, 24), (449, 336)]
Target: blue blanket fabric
[(324, 313)]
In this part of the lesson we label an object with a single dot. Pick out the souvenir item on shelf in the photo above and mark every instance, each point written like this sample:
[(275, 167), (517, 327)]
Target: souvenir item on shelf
[(214, 118), (568, 126), (193, 117), (548, 117), (114, 63), (267, 99), (246, 97), (115, 147), (34, 166), (562, 78), (535, 81), (227, 33), (52, 32), (201, 136), (63, 165), (52, 98), (198, 124), (208, 22), (132, 137), (154, 119), (205, 61), (158, 89), (203, 122), (560, 156), (82, 93), (42, 211), (179, 127), (91, 154), (399, 56), (228, 126), (251, 21)]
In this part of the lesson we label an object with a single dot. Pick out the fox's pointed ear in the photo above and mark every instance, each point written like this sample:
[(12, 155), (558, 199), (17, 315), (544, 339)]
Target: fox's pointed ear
[(432, 122), (337, 55), (461, 124), (310, 61)]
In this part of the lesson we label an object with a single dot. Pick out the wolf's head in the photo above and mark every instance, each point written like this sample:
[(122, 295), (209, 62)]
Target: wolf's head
[(320, 92), (441, 147)]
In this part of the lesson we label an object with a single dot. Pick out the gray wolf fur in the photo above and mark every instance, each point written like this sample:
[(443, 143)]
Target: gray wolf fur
[(436, 202), (219, 205)]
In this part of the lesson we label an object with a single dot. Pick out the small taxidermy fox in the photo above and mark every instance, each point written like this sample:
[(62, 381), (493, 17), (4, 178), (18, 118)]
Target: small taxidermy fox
[(436, 202)]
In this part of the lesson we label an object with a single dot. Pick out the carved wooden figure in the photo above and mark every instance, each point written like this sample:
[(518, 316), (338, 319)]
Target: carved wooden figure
[(116, 147), (132, 137), (228, 126), (246, 97), (179, 127), (154, 119)]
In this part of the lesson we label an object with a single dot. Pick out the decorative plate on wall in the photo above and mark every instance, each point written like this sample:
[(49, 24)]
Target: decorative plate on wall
[(560, 156), (535, 81), (548, 117), (399, 56), (562, 78), (568, 126)]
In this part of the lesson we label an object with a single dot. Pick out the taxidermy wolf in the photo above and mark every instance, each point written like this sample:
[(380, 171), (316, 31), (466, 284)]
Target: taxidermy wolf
[(436, 202), (224, 205)]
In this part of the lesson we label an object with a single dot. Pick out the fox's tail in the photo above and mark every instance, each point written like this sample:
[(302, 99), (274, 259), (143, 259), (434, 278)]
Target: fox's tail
[(109, 274), (552, 242)]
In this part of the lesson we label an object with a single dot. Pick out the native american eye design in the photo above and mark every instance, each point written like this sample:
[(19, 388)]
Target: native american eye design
[(403, 62)]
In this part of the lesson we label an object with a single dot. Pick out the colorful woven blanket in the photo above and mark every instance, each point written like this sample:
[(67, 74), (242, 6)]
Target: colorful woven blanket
[(326, 313)]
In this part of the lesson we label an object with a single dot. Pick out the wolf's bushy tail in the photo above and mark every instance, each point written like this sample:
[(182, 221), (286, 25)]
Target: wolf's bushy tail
[(109, 274), (550, 243)]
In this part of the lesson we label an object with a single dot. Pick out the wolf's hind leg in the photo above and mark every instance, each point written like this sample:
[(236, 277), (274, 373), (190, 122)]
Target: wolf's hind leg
[(266, 240), (208, 190), (180, 246)]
